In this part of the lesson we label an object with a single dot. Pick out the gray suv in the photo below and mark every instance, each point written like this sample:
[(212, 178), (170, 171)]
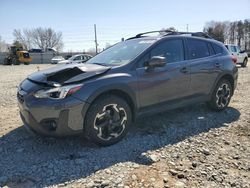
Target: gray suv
[(139, 76)]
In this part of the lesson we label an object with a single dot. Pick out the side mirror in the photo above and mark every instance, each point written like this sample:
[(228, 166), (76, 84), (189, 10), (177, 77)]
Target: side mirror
[(156, 61), (242, 51)]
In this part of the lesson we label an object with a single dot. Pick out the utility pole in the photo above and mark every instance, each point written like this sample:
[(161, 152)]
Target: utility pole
[(96, 44), (187, 27)]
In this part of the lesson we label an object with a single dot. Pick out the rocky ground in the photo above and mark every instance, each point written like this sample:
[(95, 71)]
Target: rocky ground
[(188, 147)]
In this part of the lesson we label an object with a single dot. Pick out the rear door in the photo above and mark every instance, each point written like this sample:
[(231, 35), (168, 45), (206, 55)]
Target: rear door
[(204, 66), (164, 83)]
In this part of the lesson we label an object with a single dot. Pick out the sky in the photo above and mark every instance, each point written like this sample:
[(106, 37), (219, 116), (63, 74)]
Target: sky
[(115, 19)]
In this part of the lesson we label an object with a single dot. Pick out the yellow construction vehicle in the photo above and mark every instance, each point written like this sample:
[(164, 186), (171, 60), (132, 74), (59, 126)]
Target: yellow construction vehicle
[(16, 56)]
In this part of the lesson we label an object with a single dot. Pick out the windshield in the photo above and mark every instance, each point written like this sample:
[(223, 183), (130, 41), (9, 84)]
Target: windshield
[(121, 53), (26, 55)]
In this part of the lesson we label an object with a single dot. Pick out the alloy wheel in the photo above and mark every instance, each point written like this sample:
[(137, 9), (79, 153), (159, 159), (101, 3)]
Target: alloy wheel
[(110, 122), (223, 95)]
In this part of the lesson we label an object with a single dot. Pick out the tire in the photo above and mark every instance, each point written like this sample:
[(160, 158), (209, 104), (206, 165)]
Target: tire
[(7, 61), (26, 63), (221, 95), (244, 64), (16, 62), (107, 120)]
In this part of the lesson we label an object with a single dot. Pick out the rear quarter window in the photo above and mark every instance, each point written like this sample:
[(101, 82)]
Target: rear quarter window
[(197, 49), (217, 48)]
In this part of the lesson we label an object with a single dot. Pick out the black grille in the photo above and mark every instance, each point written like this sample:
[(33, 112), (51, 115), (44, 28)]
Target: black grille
[(20, 97)]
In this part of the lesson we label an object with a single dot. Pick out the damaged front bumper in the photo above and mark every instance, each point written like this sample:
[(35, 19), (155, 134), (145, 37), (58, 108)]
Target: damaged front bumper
[(52, 117)]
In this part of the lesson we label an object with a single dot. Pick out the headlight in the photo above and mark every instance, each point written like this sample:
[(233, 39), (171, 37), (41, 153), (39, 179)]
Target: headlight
[(58, 92)]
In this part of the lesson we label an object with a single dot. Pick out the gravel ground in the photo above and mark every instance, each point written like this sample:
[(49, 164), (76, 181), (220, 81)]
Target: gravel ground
[(187, 147)]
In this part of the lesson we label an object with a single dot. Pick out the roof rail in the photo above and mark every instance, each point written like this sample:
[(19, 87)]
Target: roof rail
[(171, 32), (195, 34), (149, 32)]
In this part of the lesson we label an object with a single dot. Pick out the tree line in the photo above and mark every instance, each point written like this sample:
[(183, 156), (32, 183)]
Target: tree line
[(42, 38), (237, 32)]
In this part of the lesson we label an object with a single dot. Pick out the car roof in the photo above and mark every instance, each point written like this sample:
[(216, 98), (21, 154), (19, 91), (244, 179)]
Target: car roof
[(157, 38), (175, 34)]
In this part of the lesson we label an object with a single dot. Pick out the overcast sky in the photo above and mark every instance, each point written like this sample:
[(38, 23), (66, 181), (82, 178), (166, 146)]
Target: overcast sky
[(114, 18)]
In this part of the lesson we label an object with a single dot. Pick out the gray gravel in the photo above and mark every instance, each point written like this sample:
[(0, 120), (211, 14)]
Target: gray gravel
[(187, 147)]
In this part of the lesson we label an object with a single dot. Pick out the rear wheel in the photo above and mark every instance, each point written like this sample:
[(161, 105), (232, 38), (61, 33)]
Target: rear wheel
[(221, 95), (244, 64), (108, 120), (6, 61)]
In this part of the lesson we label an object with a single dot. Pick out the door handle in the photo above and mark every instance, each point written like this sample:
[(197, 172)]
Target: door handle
[(217, 65), (184, 70)]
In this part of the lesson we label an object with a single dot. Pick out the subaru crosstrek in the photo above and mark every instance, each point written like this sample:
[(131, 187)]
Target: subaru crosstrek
[(142, 75)]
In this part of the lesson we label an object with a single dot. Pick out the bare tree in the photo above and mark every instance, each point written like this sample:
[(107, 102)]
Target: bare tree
[(237, 32), (23, 37), (43, 38), (232, 32), (169, 29), (240, 31), (247, 34), (217, 30)]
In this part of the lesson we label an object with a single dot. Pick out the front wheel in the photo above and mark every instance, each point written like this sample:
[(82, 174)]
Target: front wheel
[(221, 95), (108, 120)]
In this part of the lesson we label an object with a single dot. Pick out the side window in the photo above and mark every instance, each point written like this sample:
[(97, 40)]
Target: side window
[(197, 49), (172, 50), (218, 49), (143, 60), (77, 58), (210, 48)]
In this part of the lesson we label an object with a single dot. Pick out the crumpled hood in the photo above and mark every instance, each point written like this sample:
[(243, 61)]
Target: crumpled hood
[(66, 74)]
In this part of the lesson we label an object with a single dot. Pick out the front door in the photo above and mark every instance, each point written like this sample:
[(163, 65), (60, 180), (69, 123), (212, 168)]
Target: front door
[(166, 83)]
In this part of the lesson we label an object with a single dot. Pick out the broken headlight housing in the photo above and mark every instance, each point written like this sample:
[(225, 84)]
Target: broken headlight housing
[(58, 92)]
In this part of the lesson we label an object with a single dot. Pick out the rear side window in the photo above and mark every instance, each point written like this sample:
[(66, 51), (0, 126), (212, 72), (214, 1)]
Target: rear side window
[(211, 50), (197, 49), (217, 48), (172, 50)]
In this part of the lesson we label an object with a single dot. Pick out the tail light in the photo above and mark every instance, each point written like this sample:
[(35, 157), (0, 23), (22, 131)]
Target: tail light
[(234, 59)]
